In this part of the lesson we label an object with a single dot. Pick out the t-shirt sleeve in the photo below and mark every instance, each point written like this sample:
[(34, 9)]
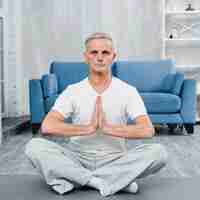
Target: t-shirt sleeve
[(135, 105), (63, 103)]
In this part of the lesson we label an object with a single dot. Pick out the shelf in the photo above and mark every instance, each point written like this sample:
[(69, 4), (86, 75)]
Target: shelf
[(195, 12), (188, 67), (180, 42), (190, 72)]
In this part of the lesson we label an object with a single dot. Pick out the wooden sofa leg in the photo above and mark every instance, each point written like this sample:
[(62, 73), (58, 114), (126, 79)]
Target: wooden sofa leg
[(35, 128), (189, 128)]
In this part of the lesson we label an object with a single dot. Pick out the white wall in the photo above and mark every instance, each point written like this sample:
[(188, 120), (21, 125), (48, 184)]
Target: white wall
[(55, 30), (11, 52)]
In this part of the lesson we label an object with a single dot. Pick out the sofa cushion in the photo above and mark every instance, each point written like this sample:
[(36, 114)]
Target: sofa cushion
[(164, 118), (68, 73), (161, 102), (48, 102), (49, 84), (154, 102), (146, 76)]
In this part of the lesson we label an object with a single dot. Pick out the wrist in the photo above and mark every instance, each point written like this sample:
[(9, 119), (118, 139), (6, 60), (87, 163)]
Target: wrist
[(90, 128), (107, 129)]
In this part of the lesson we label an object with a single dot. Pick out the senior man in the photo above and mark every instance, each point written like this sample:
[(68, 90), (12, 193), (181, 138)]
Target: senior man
[(97, 155)]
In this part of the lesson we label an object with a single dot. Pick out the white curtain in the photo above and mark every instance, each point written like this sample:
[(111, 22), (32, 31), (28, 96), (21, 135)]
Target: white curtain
[(55, 30)]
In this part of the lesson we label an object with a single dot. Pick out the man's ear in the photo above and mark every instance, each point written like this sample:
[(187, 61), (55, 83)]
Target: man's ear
[(114, 56), (85, 57)]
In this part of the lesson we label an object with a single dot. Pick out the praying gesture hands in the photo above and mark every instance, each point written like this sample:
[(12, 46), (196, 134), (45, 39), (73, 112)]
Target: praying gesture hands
[(98, 121), (98, 117)]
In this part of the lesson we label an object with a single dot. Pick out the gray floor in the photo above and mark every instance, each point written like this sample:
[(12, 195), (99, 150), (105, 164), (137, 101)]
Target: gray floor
[(184, 154), (11, 123), (32, 187)]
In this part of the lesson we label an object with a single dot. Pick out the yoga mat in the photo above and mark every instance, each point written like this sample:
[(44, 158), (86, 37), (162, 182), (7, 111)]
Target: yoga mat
[(33, 187)]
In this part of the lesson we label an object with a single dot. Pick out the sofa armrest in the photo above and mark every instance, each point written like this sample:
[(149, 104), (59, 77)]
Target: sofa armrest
[(49, 85), (189, 101), (178, 83), (36, 101)]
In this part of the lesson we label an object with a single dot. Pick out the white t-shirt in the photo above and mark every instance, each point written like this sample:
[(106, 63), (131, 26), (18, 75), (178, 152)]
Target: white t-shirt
[(120, 101)]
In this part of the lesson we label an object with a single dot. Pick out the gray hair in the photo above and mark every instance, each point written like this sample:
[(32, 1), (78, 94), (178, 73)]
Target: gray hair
[(98, 35)]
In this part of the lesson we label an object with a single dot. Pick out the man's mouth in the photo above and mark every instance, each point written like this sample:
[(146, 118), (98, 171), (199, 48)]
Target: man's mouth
[(100, 65)]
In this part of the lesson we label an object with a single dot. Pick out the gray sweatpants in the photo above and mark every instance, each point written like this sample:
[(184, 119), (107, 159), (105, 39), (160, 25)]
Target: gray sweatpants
[(63, 167)]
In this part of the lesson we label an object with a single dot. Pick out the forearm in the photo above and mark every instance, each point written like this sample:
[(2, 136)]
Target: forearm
[(60, 128), (130, 131)]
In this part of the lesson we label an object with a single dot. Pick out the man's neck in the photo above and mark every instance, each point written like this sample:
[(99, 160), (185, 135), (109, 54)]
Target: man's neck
[(100, 82)]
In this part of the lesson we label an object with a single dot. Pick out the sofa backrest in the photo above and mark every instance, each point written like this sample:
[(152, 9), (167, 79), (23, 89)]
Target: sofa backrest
[(147, 76), (68, 73)]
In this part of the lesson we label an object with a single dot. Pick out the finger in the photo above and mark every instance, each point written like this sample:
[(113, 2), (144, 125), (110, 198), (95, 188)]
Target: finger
[(98, 99), (103, 120), (101, 112), (94, 115), (98, 104), (103, 116), (97, 111)]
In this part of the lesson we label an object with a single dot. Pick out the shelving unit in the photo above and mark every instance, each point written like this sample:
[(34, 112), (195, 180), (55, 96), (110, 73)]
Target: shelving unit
[(2, 16), (181, 35)]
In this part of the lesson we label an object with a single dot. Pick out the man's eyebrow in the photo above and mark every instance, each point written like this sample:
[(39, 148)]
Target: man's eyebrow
[(106, 51), (93, 51), (103, 51)]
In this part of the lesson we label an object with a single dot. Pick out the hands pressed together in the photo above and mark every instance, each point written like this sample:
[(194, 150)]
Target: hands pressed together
[(98, 120)]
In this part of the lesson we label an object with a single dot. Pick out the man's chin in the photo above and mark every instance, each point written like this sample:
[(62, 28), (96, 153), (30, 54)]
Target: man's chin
[(102, 70), (100, 66)]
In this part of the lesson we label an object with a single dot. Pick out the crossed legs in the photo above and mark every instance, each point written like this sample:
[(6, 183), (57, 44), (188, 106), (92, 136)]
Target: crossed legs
[(63, 170)]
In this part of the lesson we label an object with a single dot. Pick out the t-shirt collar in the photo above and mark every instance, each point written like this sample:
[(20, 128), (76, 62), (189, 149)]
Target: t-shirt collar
[(105, 91)]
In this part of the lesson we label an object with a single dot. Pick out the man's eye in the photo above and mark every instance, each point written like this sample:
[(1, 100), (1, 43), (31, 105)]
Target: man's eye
[(106, 53), (93, 52)]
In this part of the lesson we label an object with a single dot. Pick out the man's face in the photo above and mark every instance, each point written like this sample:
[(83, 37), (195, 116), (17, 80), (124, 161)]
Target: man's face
[(99, 55)]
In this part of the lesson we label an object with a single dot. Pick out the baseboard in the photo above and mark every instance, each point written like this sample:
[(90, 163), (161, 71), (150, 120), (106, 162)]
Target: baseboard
[(13, 126)]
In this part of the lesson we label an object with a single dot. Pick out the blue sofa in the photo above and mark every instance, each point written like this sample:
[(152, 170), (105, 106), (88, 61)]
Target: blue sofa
[(169, 98)]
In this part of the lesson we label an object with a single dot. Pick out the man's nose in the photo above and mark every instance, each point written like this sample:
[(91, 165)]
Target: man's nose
[(99, 57)]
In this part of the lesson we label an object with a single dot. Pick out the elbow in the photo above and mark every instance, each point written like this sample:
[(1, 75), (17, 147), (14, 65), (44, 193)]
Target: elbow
[(149, 132), (51, 124), (45, 129)]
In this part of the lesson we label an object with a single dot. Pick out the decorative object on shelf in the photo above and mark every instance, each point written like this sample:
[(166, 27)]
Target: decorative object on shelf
[(171, 36), (189, 8), (178, 29), (194, 27), (174, 33)]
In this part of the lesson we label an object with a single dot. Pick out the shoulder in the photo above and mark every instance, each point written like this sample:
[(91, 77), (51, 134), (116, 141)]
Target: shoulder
[(123, 85), (76, 86)]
